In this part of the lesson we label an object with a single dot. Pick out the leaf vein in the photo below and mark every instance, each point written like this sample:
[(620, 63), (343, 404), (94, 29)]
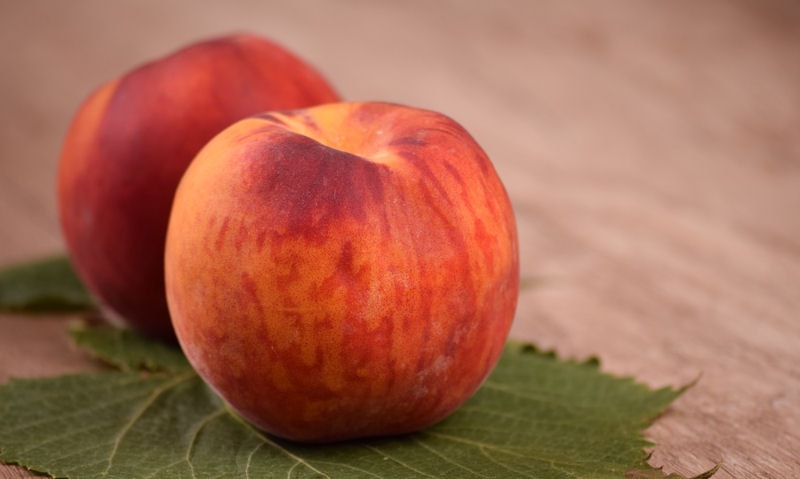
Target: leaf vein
[(271, 443), (250, 459), (149, 402), (448, 460), (395, 460), (201, 424)]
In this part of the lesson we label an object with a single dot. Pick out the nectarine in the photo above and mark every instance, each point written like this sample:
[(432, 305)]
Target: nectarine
[(343, 271), (131, 141)]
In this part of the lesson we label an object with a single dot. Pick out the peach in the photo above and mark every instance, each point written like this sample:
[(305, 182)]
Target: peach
[(130, 143), (348, 270)]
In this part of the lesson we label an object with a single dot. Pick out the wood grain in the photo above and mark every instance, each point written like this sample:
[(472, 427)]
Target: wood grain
[(651, 149)]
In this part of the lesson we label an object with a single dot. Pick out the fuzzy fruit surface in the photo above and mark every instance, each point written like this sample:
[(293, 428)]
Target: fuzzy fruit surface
[(344, 271), (132, 139)]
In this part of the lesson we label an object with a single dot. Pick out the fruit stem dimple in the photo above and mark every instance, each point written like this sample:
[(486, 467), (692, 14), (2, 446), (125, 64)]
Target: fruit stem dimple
[(331, 128)]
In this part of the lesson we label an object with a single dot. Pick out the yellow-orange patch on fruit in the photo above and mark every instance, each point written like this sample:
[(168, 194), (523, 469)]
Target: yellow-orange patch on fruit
[(80, 137)]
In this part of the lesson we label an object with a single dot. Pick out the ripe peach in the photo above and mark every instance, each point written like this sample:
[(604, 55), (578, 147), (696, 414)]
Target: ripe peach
[(343, 271), (131, 141)]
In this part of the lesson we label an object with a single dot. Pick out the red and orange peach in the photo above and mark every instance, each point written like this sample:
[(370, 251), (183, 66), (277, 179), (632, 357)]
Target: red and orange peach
[(343, 271), (131, 141)]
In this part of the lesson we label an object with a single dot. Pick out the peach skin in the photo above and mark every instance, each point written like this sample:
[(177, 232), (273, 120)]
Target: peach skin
[(130, 143), (347, 270)]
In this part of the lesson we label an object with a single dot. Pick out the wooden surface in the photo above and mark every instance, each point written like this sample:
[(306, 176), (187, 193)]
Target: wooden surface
[(651, 149)]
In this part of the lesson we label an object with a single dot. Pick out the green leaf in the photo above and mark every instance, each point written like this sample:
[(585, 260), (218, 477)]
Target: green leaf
[(46, 285), (127, 350), (536, 416)]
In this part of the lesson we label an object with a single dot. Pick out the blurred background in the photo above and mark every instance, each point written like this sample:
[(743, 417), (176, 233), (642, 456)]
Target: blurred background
[(651, 150)]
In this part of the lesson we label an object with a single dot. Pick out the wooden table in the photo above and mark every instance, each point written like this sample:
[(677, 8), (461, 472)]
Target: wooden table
[(652, 152)]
